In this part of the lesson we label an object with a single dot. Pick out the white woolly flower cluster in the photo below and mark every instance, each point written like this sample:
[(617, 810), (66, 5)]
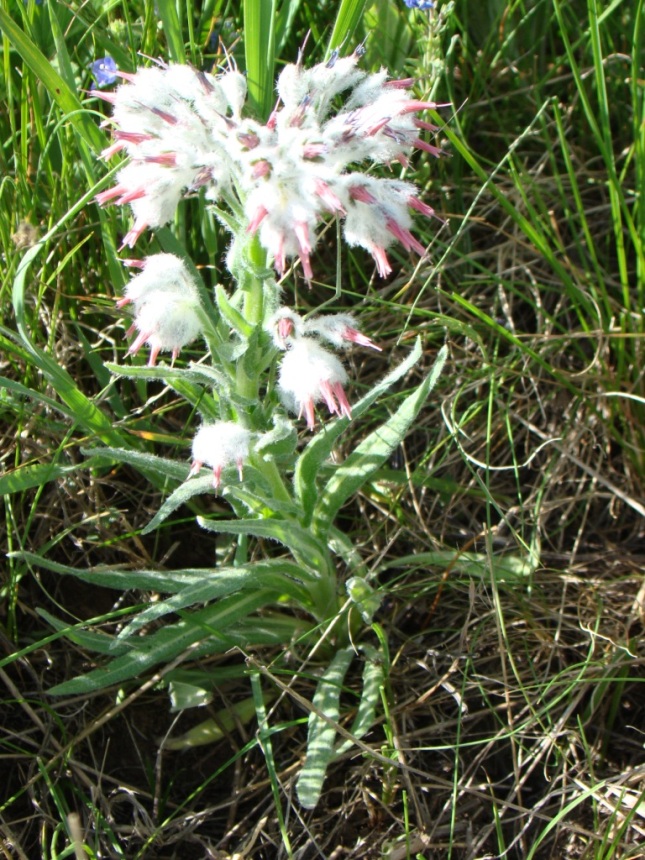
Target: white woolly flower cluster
[(309, 373), (165, 301), (220, 445), (183, 129)]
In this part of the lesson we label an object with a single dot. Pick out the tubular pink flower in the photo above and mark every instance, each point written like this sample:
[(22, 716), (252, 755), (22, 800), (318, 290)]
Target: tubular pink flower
[(427, 147), (260, 214), (331, 200), (302, 236), (420, 206), (404, 236), (130, 238), (359, 192), (109, 151), (380, 258)]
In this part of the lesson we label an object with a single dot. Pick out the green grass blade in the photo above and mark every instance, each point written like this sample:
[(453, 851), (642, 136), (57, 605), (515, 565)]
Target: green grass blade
[(347, 20), (172, 30), (58, 89), (259, 48)]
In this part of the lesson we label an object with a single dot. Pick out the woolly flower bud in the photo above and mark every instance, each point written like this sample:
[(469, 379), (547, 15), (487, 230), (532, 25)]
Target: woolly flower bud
[(220, 445), (166, 301), (284, 326), (308, 375), (339, 330)]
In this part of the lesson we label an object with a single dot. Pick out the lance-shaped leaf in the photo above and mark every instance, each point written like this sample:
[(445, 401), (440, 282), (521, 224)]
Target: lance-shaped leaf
[(302, 543), (373, 679), (322, 729), (211, 623), (320, 448), (373, 451), (281, 577)]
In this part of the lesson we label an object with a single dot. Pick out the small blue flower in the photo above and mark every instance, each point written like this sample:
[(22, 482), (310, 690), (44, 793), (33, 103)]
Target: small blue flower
[(104, 70), (419, 4)]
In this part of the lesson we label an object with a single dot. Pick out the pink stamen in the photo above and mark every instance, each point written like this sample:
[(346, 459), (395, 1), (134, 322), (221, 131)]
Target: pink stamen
[(426, 126), (107, 97), (260, 214), (127, 76), (130, 238), (307, 409), (166, 117), (206, 84), (328, 396), (217, 477), (374, 129), (306, 268), (132, 136), (302, 235), (133, 194), (240, 468), (154, 354), (131, 330), (122, 302), (280, 260), (271, 122), (132, 263), (413, 105), (404, 236)]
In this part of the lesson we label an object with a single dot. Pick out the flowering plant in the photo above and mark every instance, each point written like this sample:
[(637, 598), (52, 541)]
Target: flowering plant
[(266, 369)]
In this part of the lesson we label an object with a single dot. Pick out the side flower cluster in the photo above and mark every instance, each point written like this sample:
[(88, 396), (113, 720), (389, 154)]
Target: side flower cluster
[(309, 373), (184, 129), (165, 300), (220, 445)]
